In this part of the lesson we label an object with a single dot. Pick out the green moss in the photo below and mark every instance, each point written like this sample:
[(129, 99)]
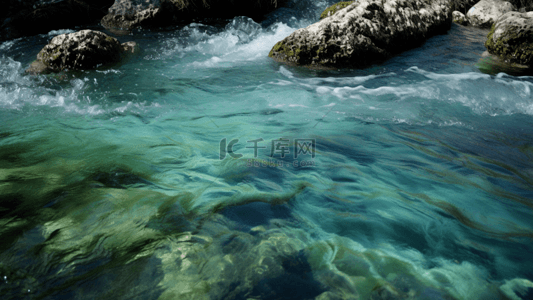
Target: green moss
[(280, 47), (334, 8), (521, 53), (56, 54)]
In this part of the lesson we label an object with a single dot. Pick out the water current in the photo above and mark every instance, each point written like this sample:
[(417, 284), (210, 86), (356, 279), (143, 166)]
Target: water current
[(202, 169)]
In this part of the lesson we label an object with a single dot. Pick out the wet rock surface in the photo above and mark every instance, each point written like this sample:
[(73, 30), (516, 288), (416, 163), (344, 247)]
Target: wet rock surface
[(85, 49), (511, 38), (364, 32)]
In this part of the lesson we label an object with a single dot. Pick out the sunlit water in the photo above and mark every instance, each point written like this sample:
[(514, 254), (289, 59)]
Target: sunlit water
[(112, 183)]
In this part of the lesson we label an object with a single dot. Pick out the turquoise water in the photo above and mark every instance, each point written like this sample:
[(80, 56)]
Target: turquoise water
[(419, 185)]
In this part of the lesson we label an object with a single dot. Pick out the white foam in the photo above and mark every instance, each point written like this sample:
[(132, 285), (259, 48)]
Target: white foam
[(454, 77), (286, 72), (54, 33), (17, 91), (7, 45), (210, 63), (242, 40)]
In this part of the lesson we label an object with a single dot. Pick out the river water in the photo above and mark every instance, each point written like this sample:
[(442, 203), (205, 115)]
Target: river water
[(202, 169)]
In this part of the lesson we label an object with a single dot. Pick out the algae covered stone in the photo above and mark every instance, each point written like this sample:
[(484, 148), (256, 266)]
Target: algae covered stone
[(364, 32), (511, 38), (334, 8)]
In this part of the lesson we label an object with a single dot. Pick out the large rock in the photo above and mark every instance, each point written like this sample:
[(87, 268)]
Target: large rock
[(30, 17), (82, 50), (511, 38), (486, 12), (129, 14), (365, 32)]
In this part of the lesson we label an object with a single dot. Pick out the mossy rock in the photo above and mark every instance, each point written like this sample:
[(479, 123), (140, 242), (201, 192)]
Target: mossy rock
[(290, 53), (82, 50), (511, 38), (334, 8), (360, 37)]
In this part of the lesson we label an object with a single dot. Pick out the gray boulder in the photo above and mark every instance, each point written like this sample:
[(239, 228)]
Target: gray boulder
[(459, 18), (511, 38), (82, 50), (486, 12), (365, 32)]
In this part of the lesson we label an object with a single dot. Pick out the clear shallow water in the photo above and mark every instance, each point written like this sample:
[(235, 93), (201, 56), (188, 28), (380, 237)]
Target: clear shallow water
[(111, 182)]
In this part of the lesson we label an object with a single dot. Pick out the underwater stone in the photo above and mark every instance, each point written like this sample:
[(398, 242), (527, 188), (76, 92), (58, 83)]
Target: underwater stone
[(517, 289), (511, 38), (82, 50), (486, 12), (365, 32)]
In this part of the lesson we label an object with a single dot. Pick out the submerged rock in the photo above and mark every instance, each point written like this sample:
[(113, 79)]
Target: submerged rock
[(129, 14), (82, 50), (459, 18), (486, 12), (365, 32), (517, 289), (493, 64), (511, 38)]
